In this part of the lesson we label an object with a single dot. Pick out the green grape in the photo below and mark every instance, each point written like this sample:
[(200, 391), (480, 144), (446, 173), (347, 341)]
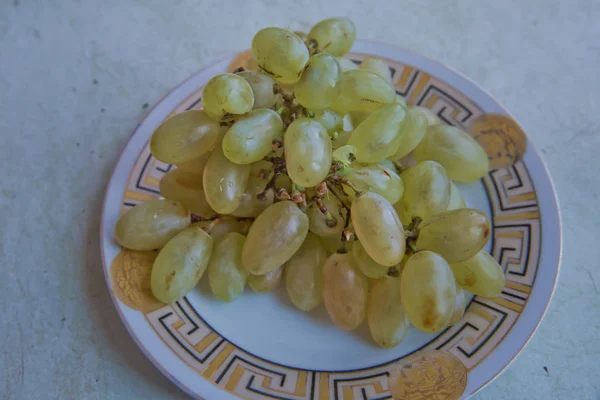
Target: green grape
[(262, 88), (404, 218), (388, 323), (185, 137), (267, 282), (280, 53), (307, 152), (379, 134), (317, 88), (226, 275), (341, 140), (334, 36), (274, 237), (480, 275), (227, 95), (219, 228), (151, 225), (304, 274), (333, 243), (378, 228), (365, 263), (345, 291), (195, 166), (456, 235), (346, 64), (251, 137), (284, 182), (377, 178), (320, 224), (357, 117), (344, 154), (412, 132), (251, 205), (426, 190), (432, 118), (186, 188), (362, 91), (401, 100), (462, 157), (180, 264), (224, 182), (459, 305), (377, 66), (330, 120), (456, 200), (428, 291)]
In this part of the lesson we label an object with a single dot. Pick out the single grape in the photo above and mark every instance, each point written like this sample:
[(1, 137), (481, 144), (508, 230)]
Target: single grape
[(226, 275), (334, 36), (388, 323), (304, 274), (357, 117), (456, 200), (362, 91), (307, 152), (262, 87), (333, 243), (317, 88), (186, 188), (224, 182), (366, 264), (280, 53), (185, 137), (428, 291), (377, 66), (151, 225), (432, 118), (274, 237), (427, 190), (195, 166), (456, 235), (345, 291), (480, 275), (377, 178), (462, 157), (378, 228), (459, 305), (327, 225), (227, 95), (379, 134), (251, 137), (346, 64), (267, 282), (412, 133), (331, 120), (251, 204), (218, 229), (180, 264), (400, 209)]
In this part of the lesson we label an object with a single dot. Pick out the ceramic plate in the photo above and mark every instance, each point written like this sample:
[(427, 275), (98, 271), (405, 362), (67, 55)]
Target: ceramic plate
[(261, 347)]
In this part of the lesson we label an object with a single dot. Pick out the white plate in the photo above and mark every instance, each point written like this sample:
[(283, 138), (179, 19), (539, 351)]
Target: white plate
[(261, 347)]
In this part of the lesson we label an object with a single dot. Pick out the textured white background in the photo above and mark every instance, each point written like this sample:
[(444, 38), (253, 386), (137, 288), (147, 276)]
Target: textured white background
[(74, 76)]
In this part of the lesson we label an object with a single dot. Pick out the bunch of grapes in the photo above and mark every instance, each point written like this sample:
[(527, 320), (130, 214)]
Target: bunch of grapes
[(312, 170)]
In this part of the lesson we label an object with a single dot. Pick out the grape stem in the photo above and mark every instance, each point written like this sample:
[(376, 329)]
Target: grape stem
[(344, 181)]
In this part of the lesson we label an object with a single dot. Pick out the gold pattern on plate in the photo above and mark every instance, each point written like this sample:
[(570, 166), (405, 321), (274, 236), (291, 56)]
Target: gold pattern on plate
[(435, 375), (502, 138), (130, 277)]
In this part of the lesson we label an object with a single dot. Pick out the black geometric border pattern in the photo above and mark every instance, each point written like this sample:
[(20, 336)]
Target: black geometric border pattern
[(516, 246)]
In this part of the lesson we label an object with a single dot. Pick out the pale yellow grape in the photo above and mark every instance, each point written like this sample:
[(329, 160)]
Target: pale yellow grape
[(366, 264), (227, 95), (304, 274), (400, 209), (388, 323), (251, 137), (401, 100), (274, 237), (412, 133), (357, 117), (317, 88), (379, 134), (334, 36), (456, 200), (480, 275), (218, 229), (280, 53), (150, 225), (224, 182), (319, 223), (180, 264), (185, 137), (307, 152), (267, 282), (426, 190), (377, 178), (428, 291), (331, 120), (195, 166), (432, 118), (344, 154), (226, 275), (333, 243), (378, 66), (346, 64), (362, 91), (456, 235), (251, 205), (459, 305), (378, 228), (186, 188), (341, 140), (462, 157), (262, 87), (345, 291)]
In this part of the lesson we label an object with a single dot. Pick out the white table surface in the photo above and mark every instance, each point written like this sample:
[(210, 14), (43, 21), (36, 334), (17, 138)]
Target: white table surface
[(74, 78)]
